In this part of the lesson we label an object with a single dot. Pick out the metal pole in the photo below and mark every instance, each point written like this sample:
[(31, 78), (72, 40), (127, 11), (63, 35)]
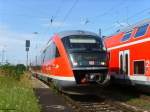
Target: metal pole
[(100, 32), (27, 60), (3, 51), (36, 47), (36, 60), (27, 50)]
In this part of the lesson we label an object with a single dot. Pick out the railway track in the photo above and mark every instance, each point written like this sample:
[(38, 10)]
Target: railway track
[(93, 103), (100, 102)]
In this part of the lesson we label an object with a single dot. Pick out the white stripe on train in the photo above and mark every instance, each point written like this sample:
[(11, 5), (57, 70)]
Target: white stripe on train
[(133, 77), (130, 43), (58, 77)]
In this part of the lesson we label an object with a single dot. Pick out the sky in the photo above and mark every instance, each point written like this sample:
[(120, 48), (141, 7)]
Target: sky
[(20, 19)]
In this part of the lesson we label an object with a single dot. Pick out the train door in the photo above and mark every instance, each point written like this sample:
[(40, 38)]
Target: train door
[(121, 62), (124, 62)]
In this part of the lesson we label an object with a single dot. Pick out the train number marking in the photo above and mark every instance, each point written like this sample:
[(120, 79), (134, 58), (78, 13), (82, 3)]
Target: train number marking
[(147, 67)]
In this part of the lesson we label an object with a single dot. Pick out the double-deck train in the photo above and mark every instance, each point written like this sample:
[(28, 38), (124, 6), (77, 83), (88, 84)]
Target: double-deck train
[(129, 51), (73, 59)]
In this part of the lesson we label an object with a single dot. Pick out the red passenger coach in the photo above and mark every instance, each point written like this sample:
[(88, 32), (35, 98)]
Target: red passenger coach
[(74, 58), (130, 54)]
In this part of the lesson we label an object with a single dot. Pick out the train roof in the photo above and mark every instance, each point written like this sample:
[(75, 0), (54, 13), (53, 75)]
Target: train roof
[(75, 32), (131, 27), (68, 33)]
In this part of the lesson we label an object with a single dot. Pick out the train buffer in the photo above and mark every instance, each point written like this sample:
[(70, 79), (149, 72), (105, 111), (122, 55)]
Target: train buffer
[(49, 101)]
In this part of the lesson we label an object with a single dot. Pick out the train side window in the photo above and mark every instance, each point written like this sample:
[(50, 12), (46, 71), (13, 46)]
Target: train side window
[(139, 67), (43, 57), (47, 54), (141, 30), (57, 52), (52, 50), (126, 36)]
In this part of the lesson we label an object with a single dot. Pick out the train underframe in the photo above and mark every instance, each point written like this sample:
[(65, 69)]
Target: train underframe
[(89, 76), (141, 85), (85, 81)]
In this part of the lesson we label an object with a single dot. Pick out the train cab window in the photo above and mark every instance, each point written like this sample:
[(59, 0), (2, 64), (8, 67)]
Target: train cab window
[(141, 30), (126, 36), (82, 42), (139, 67)]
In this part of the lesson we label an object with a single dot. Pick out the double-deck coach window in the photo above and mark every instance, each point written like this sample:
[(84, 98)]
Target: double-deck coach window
[(141, 30), (139, 67), (126, 36)]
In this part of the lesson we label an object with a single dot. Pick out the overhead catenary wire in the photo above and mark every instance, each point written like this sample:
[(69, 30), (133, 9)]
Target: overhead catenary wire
[(53, 18), (106, 12), (58, 10), (35, 16), (110, 9), (129, 18), (68, 13)]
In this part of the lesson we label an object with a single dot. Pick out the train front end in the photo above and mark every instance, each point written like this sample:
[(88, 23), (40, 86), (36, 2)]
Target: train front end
[(88, 58)]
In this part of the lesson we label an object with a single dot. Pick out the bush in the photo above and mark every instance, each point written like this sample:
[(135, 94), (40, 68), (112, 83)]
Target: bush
[(12, 71), (21, 67), (17, 95)]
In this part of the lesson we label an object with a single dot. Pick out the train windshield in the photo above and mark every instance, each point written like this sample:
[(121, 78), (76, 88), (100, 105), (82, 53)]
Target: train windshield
[(83, 42), (85, 51)]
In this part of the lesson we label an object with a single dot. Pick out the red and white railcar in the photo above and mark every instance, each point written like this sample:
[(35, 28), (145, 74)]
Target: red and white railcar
[(129, 52), (72, 59)]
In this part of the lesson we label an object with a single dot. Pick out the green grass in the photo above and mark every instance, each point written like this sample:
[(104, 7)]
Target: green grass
[(128, 95), (17, 95), (141, 103)]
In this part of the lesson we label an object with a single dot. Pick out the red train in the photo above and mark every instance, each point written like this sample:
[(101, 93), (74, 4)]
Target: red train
[(72, 59), (129, 52)]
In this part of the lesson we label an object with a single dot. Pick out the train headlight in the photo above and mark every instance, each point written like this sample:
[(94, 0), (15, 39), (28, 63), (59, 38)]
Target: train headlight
[(74, 63), (92, 77), (103, 63)]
